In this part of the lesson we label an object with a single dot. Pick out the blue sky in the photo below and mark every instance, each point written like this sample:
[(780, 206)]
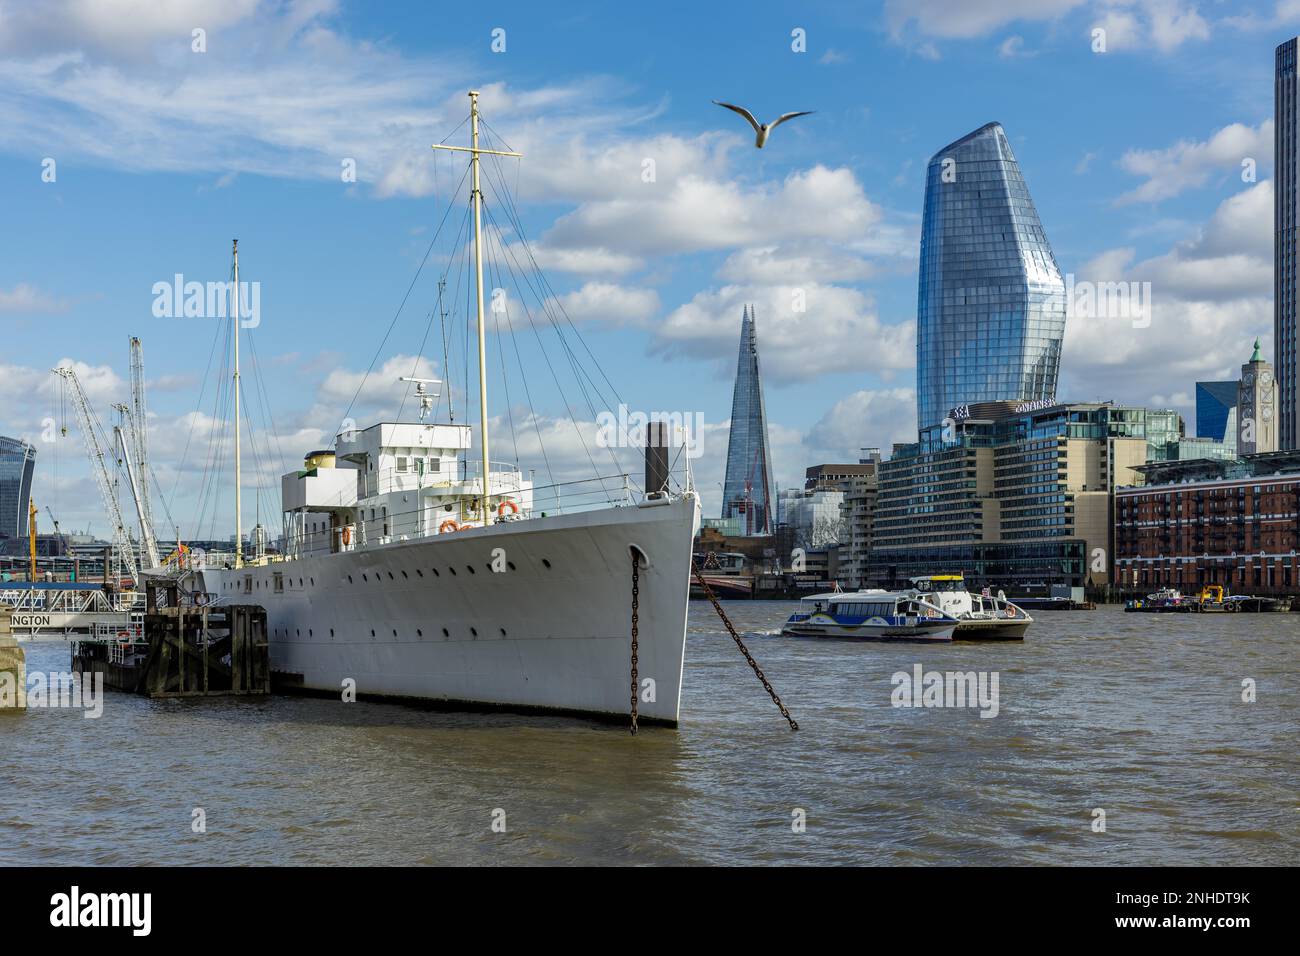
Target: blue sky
[(1133, 156)]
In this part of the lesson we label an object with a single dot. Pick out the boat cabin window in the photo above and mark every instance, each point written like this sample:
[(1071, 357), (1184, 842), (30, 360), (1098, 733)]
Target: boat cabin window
[(401, 463)]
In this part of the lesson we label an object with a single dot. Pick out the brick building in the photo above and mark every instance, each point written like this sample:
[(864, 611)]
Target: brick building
[(1234, 523)]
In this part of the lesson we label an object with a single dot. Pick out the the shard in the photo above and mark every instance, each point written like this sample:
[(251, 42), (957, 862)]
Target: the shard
[(747, 492), (992, 302)]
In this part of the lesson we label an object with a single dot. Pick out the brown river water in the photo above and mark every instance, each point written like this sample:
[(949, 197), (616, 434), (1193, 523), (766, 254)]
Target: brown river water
[(1138, 715)]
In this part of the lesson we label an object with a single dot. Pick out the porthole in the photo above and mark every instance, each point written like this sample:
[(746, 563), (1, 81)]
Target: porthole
[(503, 632), (331, 632), (365, 577), (372, 632), (394, 632), (349, 579), (446, 633), (419, 633), (474, 631), (546, 562), (435, 572), (470, 567), (452, 570), (510, 565)]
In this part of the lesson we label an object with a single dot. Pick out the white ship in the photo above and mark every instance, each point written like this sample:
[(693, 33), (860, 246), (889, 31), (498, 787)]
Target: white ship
[(402, 575)]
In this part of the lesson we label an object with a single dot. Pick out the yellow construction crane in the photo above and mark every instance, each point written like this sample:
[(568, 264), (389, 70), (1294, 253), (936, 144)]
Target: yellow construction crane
[(31, 536)]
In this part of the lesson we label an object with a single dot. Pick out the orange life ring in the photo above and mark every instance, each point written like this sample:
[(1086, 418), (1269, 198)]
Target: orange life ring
[(501, 508), (448, 525), (347, 537)]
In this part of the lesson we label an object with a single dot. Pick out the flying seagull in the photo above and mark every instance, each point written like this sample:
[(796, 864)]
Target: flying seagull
[(762, 130)]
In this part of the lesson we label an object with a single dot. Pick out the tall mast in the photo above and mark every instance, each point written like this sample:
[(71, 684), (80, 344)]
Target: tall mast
[(239, 523), (476, 196)]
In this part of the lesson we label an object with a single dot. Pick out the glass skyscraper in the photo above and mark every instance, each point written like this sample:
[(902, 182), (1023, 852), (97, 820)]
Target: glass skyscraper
[(1284, 235), (17, 462), (747, 493), (991, 303), (1216, 403)]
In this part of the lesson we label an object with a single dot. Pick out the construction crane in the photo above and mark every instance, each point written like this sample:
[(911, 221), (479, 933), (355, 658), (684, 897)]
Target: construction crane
[(31, 535), (138, 480), (139, 428), (90, 433)]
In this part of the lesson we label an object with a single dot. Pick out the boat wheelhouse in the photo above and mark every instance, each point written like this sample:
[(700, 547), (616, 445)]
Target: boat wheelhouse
[(983, 616)]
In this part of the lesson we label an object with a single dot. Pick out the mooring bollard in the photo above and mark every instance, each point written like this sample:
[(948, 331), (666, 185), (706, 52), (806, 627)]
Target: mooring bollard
[(13, 666)]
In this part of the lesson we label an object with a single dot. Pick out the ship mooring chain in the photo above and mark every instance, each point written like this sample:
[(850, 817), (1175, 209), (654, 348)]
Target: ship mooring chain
[(708, 592), (636, 603)]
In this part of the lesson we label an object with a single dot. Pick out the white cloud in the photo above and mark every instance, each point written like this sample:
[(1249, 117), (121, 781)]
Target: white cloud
[(968, 18), (611, 304), (694, 213), (1189, 164), (25, 298), (840, 331), (1013, 47), (869, 418), (1210, 297)]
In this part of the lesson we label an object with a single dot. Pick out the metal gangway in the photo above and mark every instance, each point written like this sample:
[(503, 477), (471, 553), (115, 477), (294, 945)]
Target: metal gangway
[(62, 610)]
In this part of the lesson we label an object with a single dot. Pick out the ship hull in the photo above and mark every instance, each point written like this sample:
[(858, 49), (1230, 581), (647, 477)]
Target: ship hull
[(527, 615)]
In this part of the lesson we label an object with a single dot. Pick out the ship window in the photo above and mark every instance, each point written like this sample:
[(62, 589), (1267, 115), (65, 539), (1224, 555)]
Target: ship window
[(435, 464), (419, 633), (503, 632), (546, 562), (474, 631), (452, 570), (435, 572), (331, 632), (401, 463), (510, 565), (470, 567), (405, 575), (279, 583), (419, 572), (372, 632), (446, 633)]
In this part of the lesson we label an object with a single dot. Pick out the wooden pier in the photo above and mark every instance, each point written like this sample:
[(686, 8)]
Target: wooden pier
[(187, 651)]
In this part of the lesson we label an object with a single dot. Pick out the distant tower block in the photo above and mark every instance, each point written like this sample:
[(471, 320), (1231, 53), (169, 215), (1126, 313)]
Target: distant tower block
[(1257, 429), (747, 491)]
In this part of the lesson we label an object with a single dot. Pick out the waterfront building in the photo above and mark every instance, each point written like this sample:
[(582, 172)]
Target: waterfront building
[(1216, 410), (1192, 523), (747, 491), (815, 516), (1009, 494), (991, 300), (1256, 407), (17, 465), (1164, 427), (1286, 114)]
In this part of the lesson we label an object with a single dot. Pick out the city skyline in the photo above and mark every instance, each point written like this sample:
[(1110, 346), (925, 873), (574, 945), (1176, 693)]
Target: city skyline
[(652, 272)]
